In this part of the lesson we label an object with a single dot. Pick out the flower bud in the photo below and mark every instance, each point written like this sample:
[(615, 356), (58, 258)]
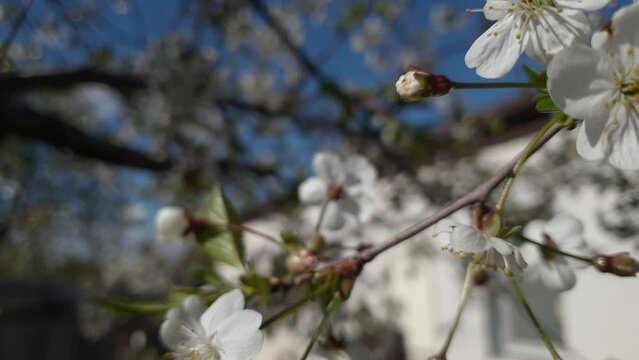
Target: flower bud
[(301, 260), (621, 264), (171, 223), (417, 85)]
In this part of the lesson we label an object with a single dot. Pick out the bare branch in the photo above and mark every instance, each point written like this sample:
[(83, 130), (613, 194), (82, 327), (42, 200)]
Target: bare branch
[(48, 128)]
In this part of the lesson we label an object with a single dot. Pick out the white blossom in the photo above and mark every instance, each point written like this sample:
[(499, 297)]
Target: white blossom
[(171, 223), (541, 28), (224, 331), (346, 184), (487, 251), (601, 86), (562, 232)]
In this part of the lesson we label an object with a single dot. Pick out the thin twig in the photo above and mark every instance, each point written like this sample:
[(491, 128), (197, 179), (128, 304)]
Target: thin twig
[(479, 194), (6, 45), (540, 331)]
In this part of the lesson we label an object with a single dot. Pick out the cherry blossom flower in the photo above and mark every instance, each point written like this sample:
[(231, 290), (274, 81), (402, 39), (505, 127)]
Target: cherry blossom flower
[(601, 86), (541, 28), (562, 232), (346, 184), (171, 223), (224, 331), (486, 251)]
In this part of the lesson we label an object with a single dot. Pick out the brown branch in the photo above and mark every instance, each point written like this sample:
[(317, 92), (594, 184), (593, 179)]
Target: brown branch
[(478, 195), (48, 128), (12, 84), (6, 45)]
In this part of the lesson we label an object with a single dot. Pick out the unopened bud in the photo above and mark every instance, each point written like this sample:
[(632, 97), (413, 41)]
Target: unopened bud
[(171, 223), (621, 264), (301, 260), (346, 287), (417, 85)]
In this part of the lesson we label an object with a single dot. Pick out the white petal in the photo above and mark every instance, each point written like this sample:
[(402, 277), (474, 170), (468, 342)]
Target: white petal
[(222, 309), (468, 239), (243, 348), (551, 31), (557, 276), (496, 51), (239, 325), (171, 334), (531, 253), (515, 263), (193, 307), (563, 226), (579, 82), (334, 217), (329, 167), (360, 173), (366, 209), (502, 246), (601, 40), (349, 205), (588, 144), (313, 191), (443, 229), (534, 230), (624, 25), (621, 142), (586, 5), (497, 9)]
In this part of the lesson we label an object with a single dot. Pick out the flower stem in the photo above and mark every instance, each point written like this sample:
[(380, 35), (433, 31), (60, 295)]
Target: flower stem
[(328, 313), (295, 306), (468, 282), (320, 219), (557, 250), (244, 228), (495, 85), (528, 151), (542, 334)]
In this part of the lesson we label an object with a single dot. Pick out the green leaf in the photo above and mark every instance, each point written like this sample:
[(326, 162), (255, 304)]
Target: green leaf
[(212, 277), (532, 75), (546, 105), (219, 244), (135, 306), (292, 241), (254, 284)]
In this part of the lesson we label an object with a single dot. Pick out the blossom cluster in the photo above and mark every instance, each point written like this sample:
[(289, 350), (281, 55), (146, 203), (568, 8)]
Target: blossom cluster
[(598, 85)]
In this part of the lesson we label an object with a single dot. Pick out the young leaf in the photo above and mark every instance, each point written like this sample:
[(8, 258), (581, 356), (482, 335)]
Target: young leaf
[(292, 241), (135, 306), (534, 76), (546, 105), (220, 244)]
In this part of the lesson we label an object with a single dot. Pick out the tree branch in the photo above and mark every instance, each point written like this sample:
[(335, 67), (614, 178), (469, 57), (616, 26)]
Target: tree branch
[(48, 128), (12, 84)]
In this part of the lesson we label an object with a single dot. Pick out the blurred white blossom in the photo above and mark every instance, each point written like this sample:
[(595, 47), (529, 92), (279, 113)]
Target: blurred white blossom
[(171, 223), (346, 184), (562, 232)]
